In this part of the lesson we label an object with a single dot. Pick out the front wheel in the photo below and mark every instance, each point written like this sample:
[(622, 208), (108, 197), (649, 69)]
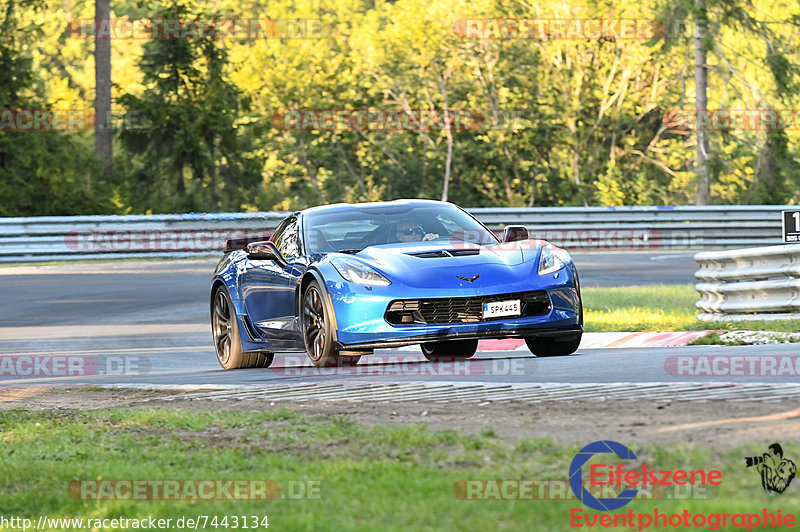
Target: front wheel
[(317, 327), (449, 350), (555, 346), (227, 342)]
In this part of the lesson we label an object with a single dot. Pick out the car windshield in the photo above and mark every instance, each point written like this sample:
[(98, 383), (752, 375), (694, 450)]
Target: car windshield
[(355, 228)]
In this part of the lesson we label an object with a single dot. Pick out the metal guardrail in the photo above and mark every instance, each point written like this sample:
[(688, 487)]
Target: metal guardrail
[(760, 283), (53, 238), (642, 228)]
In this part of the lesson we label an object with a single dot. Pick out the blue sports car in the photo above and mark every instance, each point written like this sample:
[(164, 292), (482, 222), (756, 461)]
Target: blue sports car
[(339, 281)]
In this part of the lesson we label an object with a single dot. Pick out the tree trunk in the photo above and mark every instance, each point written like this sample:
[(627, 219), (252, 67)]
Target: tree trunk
[(102, 82), (701, 103), (449, 134), (448, 162), (214, 176)]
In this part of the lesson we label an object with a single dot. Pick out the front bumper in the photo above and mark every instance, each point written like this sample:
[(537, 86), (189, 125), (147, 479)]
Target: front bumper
[(567, 333), (359, 313)]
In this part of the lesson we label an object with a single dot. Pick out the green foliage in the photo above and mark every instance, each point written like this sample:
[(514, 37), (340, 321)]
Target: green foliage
[(553, 122), (191, 151), (41, 172)]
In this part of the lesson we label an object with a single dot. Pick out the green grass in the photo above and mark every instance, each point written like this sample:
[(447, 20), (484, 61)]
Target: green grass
[(369, 478), (714, 339), (658, 308)]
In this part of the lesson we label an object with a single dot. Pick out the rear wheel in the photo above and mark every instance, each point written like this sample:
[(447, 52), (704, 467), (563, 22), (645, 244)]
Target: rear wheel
[(227, 341), (449, 350), (555, 346), (317, 326)]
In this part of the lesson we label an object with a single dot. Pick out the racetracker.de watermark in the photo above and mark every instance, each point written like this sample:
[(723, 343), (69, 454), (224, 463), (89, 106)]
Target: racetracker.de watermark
[(559, 490), (175, 240), (577, 29), (733, 119), (410, 365), (69, 120), (571, 238), (240, 29), (55, 366), (733, 365), (208, 489), (378, 120)]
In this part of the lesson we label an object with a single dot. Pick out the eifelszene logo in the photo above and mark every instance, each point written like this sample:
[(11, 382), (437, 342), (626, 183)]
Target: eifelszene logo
[(615, 476), (776, 471), (576, 475)]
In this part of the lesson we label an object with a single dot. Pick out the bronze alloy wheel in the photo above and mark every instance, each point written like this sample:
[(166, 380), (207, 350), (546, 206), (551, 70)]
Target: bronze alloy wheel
[(314, 324), (318, 335), (227, 343), (221, 320)]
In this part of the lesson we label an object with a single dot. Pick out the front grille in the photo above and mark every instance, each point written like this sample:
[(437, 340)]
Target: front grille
[(461, 309)]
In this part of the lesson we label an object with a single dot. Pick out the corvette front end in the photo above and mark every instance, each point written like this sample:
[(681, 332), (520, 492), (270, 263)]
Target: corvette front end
[(371, 316)]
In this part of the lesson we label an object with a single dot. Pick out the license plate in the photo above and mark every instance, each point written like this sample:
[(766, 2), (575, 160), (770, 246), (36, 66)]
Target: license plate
[(501, 308)]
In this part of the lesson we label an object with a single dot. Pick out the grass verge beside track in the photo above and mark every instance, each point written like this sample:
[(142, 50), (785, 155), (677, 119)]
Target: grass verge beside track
[(658, 308), (383, 477)]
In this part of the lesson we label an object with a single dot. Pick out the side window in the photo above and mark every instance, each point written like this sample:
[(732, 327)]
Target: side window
[(276, 234), (288, 240)]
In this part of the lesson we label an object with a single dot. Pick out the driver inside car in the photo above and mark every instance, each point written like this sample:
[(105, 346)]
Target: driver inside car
[(412, 232)]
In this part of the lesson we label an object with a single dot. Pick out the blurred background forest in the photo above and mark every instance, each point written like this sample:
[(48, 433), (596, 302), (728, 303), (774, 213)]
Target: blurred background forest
[(566, 121)]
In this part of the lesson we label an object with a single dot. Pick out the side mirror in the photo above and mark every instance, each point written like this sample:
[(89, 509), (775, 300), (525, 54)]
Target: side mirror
[(264, 251), (512, 233)]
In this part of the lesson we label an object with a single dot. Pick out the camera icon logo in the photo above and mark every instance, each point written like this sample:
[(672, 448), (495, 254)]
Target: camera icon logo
[(776, 471)]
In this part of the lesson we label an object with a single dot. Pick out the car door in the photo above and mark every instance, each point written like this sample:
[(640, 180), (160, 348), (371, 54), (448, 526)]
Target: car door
[(268, 289)]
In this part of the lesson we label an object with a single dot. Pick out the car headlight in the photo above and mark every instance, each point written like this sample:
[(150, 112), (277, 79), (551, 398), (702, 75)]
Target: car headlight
[(358, 272), (552, 259)]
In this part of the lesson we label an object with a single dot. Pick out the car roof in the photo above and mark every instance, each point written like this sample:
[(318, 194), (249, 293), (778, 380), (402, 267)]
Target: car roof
[(334, 207)]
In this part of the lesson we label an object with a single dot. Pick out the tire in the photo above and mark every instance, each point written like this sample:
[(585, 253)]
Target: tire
[(555, 346), (318, 334), (227, 342), (449, 350)]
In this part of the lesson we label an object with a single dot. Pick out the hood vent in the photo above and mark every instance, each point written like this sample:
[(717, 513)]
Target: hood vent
[(446, 253)]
